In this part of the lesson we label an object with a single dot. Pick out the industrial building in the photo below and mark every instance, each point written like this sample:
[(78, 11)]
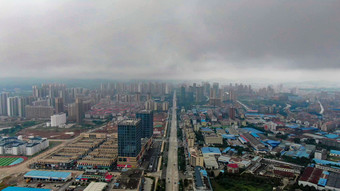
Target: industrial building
[(212, 139), (210, 162), (211, 151), (48, 175), (15, 146)]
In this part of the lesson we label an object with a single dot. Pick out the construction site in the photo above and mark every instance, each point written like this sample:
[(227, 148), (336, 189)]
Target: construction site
[(88, 151)]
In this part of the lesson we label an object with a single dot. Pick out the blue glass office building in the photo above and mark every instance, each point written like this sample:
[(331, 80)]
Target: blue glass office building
[(146, 117), (129, 138)]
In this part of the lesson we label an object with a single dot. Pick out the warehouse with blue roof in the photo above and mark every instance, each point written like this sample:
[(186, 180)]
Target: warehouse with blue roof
[(11, 188), (273, 143), (326, 162), (331, 136), (232, 137), (211, 151), (251, 130), (48, 175), (335, 153)]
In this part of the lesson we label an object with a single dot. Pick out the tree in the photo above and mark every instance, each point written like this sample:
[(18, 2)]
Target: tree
[(297, 140), (310, 141)]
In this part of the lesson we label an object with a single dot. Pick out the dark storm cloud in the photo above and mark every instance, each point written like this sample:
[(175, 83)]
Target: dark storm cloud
[(173, 39)]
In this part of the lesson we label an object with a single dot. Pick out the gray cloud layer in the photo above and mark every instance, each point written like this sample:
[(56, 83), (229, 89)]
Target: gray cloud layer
[(175, 39)]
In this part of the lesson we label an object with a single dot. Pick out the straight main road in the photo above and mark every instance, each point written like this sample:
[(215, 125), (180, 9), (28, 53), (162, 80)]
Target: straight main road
[(172, 168)]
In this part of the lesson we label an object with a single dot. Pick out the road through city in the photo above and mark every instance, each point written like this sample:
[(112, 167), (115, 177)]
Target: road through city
[(172, 168)]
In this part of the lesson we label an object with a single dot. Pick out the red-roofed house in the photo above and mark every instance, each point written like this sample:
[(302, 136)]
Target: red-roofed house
[(232, 168)]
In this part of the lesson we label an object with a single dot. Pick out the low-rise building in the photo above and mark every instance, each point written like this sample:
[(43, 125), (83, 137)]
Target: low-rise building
[(96, 186), (232, 168), (210, 162), (212, 139), (48, 175)]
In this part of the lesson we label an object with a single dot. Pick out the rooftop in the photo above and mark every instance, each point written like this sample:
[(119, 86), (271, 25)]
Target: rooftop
[(145, 112), (129, 122), (251, 130), (326, 162), (332, 136), (24, 189), (232, 165), (211, 150), (336, 152), (47, 174), (96, 186)]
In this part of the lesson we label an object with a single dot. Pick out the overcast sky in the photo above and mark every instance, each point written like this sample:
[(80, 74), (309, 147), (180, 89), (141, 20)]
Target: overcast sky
[(281, 40)]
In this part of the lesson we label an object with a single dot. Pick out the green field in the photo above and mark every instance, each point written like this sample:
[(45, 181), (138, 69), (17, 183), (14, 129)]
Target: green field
[(7, 161)]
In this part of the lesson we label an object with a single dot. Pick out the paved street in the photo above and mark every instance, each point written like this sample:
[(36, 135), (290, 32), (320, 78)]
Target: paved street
[(172, 168)]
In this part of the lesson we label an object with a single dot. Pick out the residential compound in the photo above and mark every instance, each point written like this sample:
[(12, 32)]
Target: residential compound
[(17, 146)]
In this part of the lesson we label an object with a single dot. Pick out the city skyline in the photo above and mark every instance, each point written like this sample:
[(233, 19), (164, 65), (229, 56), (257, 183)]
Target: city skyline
[(173, 95), (279, 41)]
